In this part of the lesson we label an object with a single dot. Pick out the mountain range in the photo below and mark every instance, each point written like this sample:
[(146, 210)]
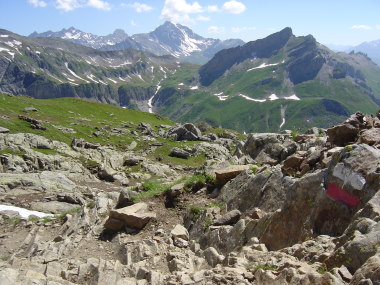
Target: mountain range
[(174, 39), (271, 84)]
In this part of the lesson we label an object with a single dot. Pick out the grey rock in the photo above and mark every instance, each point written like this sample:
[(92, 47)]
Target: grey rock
[(30, 109), (125, 198), (53, 207), (181, 232), (180, 153), (268, 148), (213, 257), (229, 218), (3, 130)]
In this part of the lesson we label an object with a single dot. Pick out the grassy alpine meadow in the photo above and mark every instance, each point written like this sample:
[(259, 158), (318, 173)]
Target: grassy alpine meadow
[(84, 117)]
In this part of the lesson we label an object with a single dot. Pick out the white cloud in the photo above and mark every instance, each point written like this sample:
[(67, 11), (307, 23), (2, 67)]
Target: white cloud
[(233, 7), (212, 8), (139, 7), (216, 30), (99, 4), (69, 5), (242, 29), (361, 27), (377, 27), (203, 19), (37, 3), (179, 10), (133, 23)]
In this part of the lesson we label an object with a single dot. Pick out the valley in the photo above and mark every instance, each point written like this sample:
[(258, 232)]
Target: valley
[(272, 84)]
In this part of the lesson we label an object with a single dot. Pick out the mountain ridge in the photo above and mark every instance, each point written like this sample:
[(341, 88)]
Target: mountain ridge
[(168, 38)]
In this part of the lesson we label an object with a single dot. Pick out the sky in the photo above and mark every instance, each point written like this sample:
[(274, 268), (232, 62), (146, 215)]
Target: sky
[(337, 22)]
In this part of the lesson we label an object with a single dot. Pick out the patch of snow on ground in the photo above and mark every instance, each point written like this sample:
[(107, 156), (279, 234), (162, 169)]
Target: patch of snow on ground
[(181, 84), (283, 109), (273, 97), (150, 101), (139, 76), (121, 65), (194, 87), (4, 36), (293, 97), (163, 70), (91, 77), (74, 74), (121, 79), (67, 77), (263, 65), (221, 97), (38, 52), (12, 54), (104, 83), (251, 99), (24, 213), (114, 81), (56, 78)]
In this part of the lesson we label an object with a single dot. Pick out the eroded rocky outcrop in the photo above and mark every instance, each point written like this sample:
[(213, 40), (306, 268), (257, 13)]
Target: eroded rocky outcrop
[(302, 211)]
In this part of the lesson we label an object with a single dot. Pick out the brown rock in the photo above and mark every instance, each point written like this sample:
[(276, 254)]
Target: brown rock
[(226, 174), (135, 216), (343, 134), (370, 136), (257, 213)]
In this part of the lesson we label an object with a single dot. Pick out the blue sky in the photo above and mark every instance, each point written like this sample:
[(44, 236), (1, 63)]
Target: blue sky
[(342, 22)]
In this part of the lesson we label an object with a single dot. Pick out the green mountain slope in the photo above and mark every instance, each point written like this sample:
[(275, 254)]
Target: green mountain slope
[(280, 82), (51, 67)]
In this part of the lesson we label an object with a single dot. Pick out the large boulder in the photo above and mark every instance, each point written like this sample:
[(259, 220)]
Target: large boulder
[(179, 152), (348, 132), (187, 132), (135, 216), (226, 174), (370, 136)]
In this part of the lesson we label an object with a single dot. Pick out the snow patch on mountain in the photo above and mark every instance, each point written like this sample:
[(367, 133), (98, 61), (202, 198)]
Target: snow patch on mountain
[(251, 99), (292, 97)]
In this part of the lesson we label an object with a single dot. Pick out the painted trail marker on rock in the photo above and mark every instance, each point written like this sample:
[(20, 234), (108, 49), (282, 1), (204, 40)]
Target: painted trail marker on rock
[(339, 194)]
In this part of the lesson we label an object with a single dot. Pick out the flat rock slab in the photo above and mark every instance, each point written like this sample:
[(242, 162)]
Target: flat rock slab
[(226, 174), (3, 130), (135, 216)]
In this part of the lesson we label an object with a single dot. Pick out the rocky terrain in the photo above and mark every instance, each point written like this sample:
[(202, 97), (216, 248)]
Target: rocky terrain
[(263, 209)]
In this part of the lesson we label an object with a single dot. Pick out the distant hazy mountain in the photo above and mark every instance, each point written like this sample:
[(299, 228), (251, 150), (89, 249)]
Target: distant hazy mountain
[(87, 39), (372, 49), (168, 39), (338, 48)]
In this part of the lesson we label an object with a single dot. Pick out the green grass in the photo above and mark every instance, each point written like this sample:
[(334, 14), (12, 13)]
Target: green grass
[(47, 151), (199, 178), (152, 189), (322, 269), (12, 152), (164, 151), (266, 266), (81, 115), (13, 220), (88, 163)]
